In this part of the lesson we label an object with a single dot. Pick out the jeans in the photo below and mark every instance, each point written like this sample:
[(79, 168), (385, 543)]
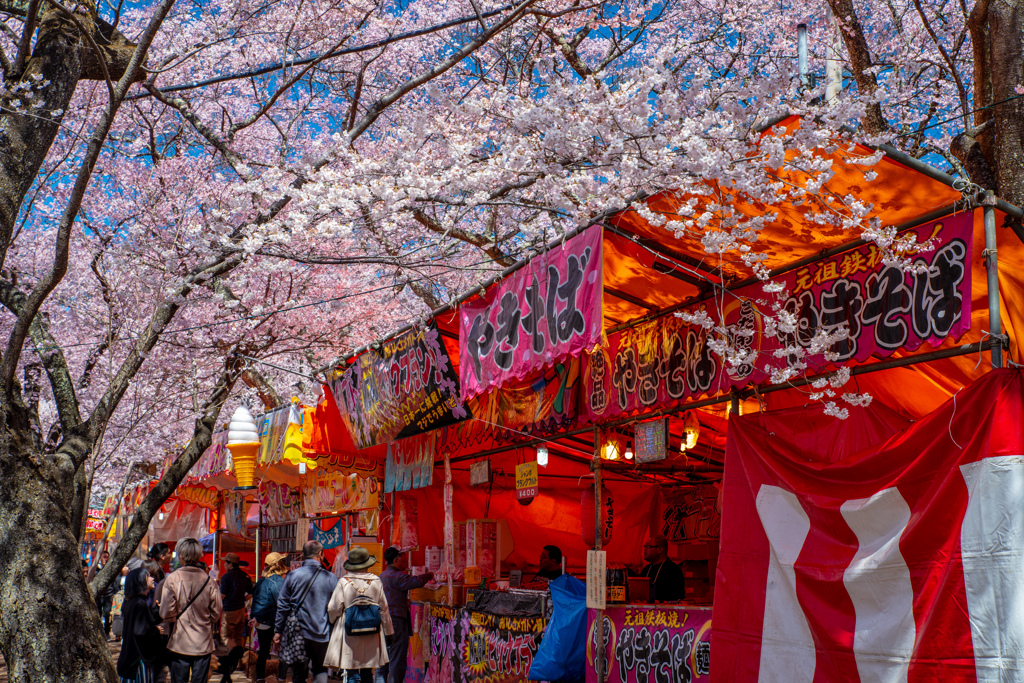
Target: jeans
[(266, 638), (185, 668), (398, 651), (316, 651), (358, 675)]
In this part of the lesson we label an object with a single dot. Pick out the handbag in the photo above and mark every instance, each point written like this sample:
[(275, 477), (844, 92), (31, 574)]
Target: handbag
[(362, 617), (293, 644)]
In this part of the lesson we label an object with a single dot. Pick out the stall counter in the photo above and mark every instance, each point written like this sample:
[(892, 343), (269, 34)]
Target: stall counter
[(462, 644), (672, 639)]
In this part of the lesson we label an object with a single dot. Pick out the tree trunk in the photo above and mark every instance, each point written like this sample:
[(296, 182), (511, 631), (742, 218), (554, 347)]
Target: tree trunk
[(1006, 33), (50, 627)]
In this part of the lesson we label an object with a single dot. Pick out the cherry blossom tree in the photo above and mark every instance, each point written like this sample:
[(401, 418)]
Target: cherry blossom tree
[(195, 197)]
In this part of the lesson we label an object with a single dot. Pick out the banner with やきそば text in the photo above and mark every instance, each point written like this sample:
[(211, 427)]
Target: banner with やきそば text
[(645, 643), (881, 309), (547, 310)]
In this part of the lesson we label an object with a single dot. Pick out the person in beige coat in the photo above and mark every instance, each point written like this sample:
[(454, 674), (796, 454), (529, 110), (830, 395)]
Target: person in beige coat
[(191, 600), (358, 655)]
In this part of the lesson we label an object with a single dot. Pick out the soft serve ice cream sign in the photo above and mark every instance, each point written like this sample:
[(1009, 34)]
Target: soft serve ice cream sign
[(244, 444)]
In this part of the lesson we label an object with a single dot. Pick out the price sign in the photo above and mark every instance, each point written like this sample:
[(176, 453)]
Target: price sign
[(526, 480), (651, 440)]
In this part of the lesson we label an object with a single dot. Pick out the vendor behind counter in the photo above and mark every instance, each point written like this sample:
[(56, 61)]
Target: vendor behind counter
[(667, 581)]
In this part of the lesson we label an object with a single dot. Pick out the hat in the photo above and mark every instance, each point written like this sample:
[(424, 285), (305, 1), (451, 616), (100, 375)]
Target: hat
[(273, 558), (359, 558), (234, 559)]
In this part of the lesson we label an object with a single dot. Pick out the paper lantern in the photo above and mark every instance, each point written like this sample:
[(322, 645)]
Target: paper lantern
[(244, 444), (587, 517), (691, 431)]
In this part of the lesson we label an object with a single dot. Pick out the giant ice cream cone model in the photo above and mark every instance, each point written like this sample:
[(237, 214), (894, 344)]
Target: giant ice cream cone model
[(244, 444)]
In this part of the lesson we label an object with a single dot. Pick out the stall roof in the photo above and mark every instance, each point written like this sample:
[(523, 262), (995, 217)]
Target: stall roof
[(649, 271)]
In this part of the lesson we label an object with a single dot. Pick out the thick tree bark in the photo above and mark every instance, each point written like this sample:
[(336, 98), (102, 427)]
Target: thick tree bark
[(860, 62), (1006, 35), (49, 625)]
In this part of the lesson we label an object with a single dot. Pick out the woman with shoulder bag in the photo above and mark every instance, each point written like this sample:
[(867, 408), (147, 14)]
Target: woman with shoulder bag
[(264, 612), (192, 602), (141, 647), (359, 612)]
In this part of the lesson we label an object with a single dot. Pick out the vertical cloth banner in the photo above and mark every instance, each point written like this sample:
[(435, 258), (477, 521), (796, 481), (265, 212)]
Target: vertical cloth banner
[(897, 560), (883, 309), (405, 387), (547, 310), (410, 463)]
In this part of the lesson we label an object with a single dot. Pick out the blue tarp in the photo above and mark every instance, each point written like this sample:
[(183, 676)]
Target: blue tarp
[(562, 653)]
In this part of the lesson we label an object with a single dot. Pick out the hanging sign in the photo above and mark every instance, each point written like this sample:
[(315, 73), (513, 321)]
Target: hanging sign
[(324, 491), (333, 537), (650, 440), (526, 480), (405, 387), (410, 464), (203, 496), (547, 310), (882, 308), (469, 646), (597, 579)]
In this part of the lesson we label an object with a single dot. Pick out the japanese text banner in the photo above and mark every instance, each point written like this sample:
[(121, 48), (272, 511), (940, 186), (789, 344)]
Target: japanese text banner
[(547, 310), (883, 308), (896, 561), (404, 388)]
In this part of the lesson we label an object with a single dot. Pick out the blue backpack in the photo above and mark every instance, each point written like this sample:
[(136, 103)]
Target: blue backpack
[(362, 617)]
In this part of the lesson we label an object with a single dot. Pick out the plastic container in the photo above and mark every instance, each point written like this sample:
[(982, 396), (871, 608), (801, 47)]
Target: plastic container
[(473, 576), (615, 583)]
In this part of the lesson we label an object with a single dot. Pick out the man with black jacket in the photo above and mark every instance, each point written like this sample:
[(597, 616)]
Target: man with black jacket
[(234, 586)]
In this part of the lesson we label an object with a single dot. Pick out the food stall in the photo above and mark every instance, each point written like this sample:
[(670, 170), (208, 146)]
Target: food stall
[(621, 416)]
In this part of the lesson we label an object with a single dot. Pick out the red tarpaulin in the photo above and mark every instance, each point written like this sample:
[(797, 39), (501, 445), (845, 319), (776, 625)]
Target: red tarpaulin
[(898, 561)]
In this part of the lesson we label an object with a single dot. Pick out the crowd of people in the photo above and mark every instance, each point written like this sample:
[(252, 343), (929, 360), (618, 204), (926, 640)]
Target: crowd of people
[(358, 623)]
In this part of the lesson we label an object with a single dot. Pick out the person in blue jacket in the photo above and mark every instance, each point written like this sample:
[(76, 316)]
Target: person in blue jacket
[(264, 611)]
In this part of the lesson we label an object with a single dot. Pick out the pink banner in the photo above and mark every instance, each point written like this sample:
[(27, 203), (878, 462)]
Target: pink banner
[(667, 360), (547, 310), (648, 643)]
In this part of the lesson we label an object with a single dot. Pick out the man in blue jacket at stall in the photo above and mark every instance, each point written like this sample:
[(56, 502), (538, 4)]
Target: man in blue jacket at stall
[(306, 591), (397, 584)]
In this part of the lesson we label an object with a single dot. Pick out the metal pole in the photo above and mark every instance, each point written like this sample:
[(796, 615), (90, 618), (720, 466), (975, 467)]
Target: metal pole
[(833, 67), (258, 528), (992, 267), (801, 51), (599, 650)]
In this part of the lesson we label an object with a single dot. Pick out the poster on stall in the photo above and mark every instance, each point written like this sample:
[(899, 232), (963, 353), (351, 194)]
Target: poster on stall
[(279, 503), (330, 532), (649, 643), (881, 307), (467, 645), (406, 386), (547, 310)]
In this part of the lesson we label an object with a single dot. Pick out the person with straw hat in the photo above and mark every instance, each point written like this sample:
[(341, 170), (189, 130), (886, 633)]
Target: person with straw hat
[(264, 611), (358, 646)]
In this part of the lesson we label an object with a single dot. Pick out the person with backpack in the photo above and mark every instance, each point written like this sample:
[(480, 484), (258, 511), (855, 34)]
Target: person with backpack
[(359, 611), (192, 601), (301, 627), (264, 612), (141, 645)]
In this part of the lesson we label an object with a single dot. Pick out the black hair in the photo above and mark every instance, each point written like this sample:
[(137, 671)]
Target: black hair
[(554, 552), (135, 583), (157, 550), (391, 554)]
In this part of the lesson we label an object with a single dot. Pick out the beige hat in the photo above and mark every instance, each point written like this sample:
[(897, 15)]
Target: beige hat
[(273, 558)]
